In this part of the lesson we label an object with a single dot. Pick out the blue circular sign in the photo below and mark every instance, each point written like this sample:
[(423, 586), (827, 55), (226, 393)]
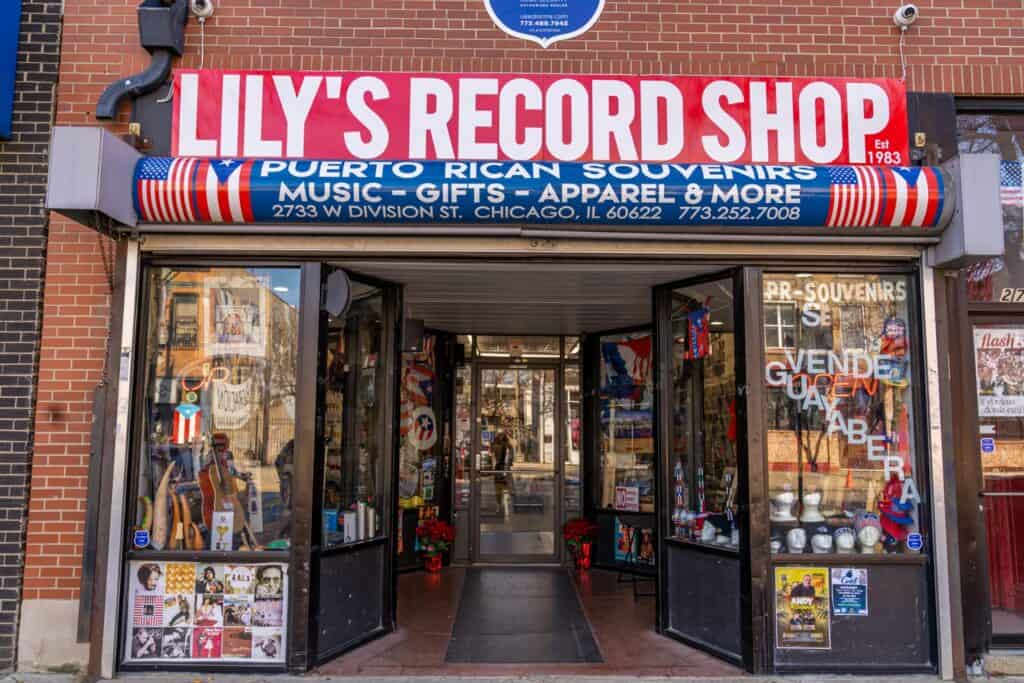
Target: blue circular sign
[(915, 542)]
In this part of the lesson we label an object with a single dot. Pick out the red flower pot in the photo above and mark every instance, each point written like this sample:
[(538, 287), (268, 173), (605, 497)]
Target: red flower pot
[(432, 563), (583, 555)]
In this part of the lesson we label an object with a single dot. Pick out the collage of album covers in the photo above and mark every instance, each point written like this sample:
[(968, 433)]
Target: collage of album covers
[(195, 611)]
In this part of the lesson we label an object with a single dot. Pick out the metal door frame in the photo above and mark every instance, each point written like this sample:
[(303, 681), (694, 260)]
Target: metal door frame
[(559, 466)]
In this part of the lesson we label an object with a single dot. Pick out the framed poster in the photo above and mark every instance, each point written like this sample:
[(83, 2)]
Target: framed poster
[(235, 316), (189, 612), (802, 613)]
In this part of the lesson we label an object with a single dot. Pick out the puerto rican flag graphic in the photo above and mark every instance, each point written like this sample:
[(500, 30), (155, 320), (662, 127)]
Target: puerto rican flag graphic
[(188, 190), (898, 197), (187, 420)]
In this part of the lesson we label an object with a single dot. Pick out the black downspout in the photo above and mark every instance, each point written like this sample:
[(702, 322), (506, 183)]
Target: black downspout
[(162, 32)]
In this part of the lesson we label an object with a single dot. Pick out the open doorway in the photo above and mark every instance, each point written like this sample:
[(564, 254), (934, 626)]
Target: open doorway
[(527, 401)]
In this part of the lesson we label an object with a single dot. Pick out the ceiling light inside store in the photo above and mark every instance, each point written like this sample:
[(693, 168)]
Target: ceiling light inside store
[(805, 275), (715, 323)]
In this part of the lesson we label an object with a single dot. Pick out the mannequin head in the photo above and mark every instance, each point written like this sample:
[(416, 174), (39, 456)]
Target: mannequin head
[(796, 540), (845, 539), (868, 537)]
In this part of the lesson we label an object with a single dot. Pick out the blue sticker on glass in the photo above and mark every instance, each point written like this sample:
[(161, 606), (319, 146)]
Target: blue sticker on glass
[(988, 445), (141, 538), (914, 542), (544, 21)]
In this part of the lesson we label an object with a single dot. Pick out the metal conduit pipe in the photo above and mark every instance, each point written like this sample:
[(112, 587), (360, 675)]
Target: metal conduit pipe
[(162, 33), (135, 85)]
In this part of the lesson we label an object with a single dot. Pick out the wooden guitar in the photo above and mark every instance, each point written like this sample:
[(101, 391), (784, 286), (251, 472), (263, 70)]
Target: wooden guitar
[(220, 492)]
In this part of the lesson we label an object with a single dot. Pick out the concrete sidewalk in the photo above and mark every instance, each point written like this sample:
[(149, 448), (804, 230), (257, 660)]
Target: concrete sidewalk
[(271, 678)]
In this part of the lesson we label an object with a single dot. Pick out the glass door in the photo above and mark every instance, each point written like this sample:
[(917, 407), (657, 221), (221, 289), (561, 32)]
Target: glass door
[(999, 366), (354, 542), (518, 466), (702, 514)]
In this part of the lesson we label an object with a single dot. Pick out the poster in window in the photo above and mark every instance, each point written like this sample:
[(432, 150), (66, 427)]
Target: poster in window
[(802, 614), (206, 611), (235, 312), (625, 542), (999, 363)]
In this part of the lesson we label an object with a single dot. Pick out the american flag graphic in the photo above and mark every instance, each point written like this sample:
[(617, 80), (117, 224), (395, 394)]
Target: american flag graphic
[(187, 420), (148, 610), (1011, 191), (189, 190), (897, 197)]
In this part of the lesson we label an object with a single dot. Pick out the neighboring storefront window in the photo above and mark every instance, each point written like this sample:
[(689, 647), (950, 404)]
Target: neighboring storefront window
[(354, 421), (704, 436), (214, 465), (841, 451), (999, 279), (999, 364), (626, 424)]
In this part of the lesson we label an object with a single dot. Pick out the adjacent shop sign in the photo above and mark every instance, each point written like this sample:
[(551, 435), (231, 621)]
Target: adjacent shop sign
[(999, 365), (524, 117), (544, 21), (190, 190), (10, 23)]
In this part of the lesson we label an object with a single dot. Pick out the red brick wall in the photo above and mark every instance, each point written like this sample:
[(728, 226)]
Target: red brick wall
[(75, 310), (969, 47)]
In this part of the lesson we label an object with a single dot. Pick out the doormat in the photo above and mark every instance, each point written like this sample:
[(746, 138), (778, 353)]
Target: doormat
[(516, 615)]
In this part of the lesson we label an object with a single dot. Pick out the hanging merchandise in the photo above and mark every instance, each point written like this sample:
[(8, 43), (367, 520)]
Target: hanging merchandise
[(232, 404), (698, 336), (423, 434), (187, 423), (893, 344), (626, 367), (895, 516)]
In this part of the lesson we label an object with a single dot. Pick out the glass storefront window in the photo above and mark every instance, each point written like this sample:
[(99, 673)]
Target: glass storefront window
[(626, 424), (463, 463), (354, 421), (216, 456), (840, 414), (999, 279), (704, 449)]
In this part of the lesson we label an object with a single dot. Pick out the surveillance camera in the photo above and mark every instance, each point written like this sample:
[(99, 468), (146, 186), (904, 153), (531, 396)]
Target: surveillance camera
[(203, 9), (905, 16)]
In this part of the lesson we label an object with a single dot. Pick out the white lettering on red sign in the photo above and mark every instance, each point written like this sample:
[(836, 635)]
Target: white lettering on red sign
[(540, 117)]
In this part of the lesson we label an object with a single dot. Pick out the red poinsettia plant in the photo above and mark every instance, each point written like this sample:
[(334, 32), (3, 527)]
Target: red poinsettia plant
[(435, 535), (578, 530)]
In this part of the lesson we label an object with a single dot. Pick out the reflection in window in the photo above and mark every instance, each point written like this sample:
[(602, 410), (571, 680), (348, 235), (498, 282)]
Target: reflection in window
[(841, 458), (626, 424), (780, 325), (704, 448), (354, 421), (999, 278), (216, 458)]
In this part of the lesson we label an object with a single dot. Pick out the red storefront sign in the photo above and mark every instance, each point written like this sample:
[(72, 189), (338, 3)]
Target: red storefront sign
[(655, 119)]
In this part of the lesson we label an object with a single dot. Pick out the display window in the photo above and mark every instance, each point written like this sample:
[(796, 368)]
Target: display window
[(999, 278), (354, 420), (216, 452), (625, 429), (704, 430), (841, 419), (419, 428)]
